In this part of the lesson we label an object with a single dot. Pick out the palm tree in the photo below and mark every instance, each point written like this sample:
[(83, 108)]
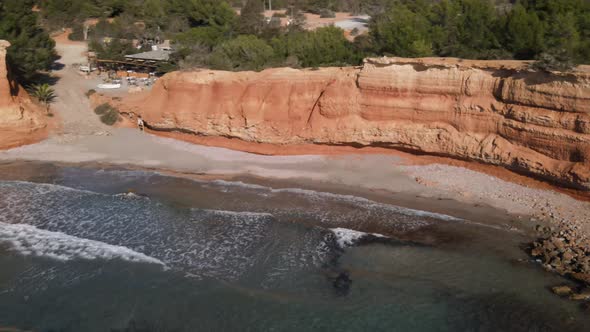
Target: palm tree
[(44, 93)]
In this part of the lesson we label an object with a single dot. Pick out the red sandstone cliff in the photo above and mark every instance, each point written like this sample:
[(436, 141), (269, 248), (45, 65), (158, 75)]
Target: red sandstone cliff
[(21, 122), (493, 112)]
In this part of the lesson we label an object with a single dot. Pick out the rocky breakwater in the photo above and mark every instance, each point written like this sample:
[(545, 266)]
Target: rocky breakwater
[(495, 112), (21, 121)]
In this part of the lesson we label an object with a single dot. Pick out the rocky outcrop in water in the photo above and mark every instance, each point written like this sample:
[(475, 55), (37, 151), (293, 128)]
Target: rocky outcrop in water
[(565, 252), (21, 122), (496, 112)]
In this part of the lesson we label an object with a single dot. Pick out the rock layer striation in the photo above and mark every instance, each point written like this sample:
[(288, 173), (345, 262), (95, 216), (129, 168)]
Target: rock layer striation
[(21, 122), (495, 112)]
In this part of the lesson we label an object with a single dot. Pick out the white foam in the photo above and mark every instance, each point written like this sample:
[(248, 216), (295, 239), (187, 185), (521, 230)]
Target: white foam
[(349, 198), (44, 188), (237, 213), (31, 241), (131, 195), (347, 237)]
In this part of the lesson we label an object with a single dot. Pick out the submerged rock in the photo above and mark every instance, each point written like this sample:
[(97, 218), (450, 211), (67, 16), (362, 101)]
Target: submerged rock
[(581, 296), (562, 290), (342, 283)]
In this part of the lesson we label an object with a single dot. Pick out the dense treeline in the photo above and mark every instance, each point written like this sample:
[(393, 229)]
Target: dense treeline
[(210, 33), (32, 50), (478, 29)]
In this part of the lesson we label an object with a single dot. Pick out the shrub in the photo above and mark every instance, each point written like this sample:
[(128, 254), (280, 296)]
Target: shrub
[(110, 117), (44, 93), (77, 32), (90, 92), (246, 52), (554, 61), (326, 13), (102, 109), (108, 114)]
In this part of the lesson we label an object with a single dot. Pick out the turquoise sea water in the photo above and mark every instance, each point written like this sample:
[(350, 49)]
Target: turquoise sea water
[(77, 253)]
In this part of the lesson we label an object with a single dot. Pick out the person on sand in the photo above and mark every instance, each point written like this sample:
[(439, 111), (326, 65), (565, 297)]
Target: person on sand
[(140, 123)]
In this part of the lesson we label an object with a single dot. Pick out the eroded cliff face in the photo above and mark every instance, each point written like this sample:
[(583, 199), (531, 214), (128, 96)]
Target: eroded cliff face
[(493, 112), (21, 122)]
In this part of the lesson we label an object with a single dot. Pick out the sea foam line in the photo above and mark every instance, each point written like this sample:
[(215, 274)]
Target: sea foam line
[(29, 240), (45, 188), (236, 213), (350, 198)]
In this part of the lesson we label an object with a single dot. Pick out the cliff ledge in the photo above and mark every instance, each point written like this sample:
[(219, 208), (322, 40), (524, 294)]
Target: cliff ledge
[(495, 112), (21, 121)]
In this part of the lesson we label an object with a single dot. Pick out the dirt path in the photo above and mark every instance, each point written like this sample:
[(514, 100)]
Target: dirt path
[(71, 105)]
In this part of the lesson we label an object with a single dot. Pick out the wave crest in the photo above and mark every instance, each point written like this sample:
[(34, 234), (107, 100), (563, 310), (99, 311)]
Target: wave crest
[(31, 241)]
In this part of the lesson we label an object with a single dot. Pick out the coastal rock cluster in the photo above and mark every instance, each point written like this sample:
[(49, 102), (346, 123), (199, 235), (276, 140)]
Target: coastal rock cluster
[(496, 112), (566, 252), (21, 122)]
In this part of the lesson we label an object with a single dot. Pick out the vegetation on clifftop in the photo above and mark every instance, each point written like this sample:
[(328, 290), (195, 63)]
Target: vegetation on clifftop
[(210, 33), (32, 49)]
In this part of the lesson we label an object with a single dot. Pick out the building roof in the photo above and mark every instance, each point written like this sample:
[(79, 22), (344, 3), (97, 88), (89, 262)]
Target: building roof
[(158, 55)]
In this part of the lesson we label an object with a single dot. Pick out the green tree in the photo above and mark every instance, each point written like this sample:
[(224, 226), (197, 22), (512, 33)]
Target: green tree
[(44, 94), (401, 32), (251, 20), (524, 33), (563, 36), (209, 36), (205, 12), (32, 49), (246, 52), (325, 46), (113, 50)]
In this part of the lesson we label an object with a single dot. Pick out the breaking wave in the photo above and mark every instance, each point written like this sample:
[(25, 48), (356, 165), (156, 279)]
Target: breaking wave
[(347, 237), (29, 240)]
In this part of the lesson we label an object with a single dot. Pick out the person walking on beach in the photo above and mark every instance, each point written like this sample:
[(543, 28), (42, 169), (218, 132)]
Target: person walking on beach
[(140, 123)]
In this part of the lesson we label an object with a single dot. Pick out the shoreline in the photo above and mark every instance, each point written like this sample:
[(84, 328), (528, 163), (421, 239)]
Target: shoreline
[(413, 173), (269, 149), (480, 216), (476, 213), (505, 213)]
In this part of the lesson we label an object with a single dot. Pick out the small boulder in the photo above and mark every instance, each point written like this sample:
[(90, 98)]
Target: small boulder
[(558, 242), (555, 261), (562, 290), (567, 256), (536, 252), (583, 277), (581, 296)]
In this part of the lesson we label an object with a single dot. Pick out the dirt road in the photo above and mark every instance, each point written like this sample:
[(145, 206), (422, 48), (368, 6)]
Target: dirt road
[(71, 105)]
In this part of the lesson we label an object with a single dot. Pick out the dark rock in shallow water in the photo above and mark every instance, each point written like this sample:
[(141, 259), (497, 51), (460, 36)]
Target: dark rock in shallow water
[(342, 283)]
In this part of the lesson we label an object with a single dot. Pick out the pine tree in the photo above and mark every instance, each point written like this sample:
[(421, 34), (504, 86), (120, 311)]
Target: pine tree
[(251, 19), (524, 33), (32, 49)]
